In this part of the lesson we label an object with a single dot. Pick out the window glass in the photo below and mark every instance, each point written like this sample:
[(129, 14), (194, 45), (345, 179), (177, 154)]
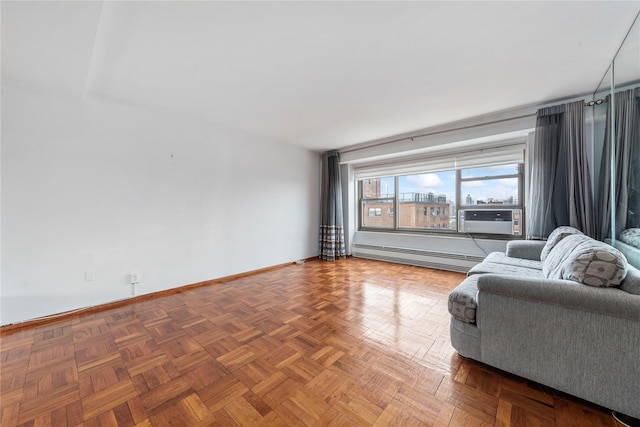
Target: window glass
[(377, 213), (489, 171), (430, 201), (378, 202), (377, 188), (501, 191), (425, 200)]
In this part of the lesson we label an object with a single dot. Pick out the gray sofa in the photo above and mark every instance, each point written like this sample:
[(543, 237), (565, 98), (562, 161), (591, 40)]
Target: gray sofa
[(541, 321)]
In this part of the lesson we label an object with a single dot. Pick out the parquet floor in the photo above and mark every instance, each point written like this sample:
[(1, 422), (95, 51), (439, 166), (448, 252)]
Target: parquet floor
[(354, 342)]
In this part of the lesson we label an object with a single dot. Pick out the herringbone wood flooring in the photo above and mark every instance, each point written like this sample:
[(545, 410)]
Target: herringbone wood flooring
[(354, 342)]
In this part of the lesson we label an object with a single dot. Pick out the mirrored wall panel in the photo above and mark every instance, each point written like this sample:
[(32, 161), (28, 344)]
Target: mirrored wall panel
[(618, 183)]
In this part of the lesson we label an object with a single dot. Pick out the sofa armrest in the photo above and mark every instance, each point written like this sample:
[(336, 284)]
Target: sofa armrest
[(525, 249), (563, 293)]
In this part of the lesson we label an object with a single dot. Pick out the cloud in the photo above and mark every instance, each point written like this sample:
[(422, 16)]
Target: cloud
[(426, 181), (510, 182), (503, 193)]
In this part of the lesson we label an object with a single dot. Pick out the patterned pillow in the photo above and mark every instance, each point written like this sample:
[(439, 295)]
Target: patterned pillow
[(631, 236), (555, 237), (585, 260), (462, 300)]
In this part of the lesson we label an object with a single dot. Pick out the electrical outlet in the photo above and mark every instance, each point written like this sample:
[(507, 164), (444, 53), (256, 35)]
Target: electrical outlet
[(134, 278), (89, 276)]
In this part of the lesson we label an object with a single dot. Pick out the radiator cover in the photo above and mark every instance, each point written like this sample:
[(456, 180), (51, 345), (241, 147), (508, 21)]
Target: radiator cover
[(419, 257)]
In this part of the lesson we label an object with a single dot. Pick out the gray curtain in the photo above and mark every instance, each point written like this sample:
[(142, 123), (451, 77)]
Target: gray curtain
[(627, 166), (579, 188), (332, 245), (560, 189)]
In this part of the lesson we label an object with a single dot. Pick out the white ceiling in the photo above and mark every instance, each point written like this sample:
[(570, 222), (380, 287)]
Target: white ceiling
[(321, 75)]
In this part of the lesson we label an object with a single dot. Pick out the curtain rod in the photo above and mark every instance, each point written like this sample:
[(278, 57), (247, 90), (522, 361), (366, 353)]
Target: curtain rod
[(433, 133), (364, 146), (596, 102)]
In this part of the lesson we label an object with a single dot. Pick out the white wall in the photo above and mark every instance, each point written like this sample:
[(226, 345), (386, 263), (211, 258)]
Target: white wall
[(105, 189)]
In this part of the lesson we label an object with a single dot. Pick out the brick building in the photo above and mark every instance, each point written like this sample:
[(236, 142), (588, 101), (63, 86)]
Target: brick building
[(416, 210)]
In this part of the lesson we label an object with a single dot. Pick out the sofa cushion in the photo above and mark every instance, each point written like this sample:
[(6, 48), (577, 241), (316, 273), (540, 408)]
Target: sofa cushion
[(502, 258), (463, 300), (555, 237), (631, 282), (499, 268), (585, 260)]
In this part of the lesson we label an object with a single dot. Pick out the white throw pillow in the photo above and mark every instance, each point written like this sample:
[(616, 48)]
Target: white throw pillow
[(555, 237)]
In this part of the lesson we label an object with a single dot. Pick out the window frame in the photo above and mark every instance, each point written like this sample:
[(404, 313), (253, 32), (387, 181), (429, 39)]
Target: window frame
[(519, 175)]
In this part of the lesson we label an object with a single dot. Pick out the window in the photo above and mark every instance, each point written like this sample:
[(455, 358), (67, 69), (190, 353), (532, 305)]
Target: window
[(429, 193), (492, 185), (377, 196), (422, 201), (429, 201)]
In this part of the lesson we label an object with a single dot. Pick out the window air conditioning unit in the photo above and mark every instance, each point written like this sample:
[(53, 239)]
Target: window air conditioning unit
[(490, 221)]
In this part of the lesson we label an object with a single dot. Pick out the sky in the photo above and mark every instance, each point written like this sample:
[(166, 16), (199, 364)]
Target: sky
[(445, 183)]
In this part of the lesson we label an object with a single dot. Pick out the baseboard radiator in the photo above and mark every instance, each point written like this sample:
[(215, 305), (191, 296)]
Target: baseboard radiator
[(423, 258)]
